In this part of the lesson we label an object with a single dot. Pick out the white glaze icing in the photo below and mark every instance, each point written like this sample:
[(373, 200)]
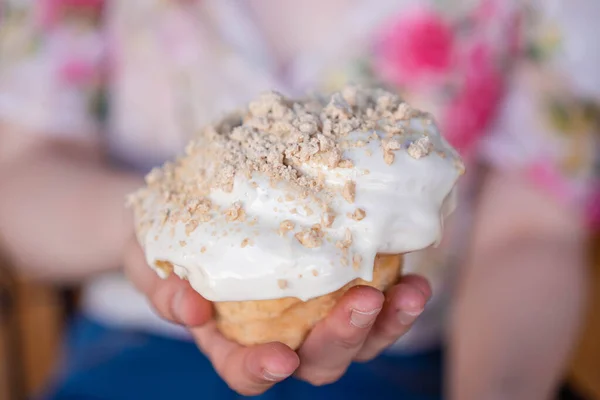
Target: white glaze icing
[(405, 204)]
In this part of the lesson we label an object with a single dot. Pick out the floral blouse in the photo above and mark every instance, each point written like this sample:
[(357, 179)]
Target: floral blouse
[(513, 84)]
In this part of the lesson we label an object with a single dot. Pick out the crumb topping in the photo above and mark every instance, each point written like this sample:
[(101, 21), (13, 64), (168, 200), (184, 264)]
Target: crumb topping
[(275, 136), (274, 139), (235, 213), (282, 283), (346, 242), (356, 261), (191, 226), (420, 147), (312, 237), (165, 267), (328, 219), (285, 227), (349, 191), (358, 214)]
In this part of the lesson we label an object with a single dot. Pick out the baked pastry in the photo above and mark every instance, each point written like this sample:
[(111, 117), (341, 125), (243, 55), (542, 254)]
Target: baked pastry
[(277, 209)]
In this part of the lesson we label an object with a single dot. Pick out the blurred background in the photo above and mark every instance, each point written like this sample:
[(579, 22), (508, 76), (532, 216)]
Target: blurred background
[(34, 316)]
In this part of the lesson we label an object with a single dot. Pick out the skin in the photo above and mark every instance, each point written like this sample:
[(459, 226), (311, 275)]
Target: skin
[(361, 325), (64, 188), (521, 297), (526, 265)]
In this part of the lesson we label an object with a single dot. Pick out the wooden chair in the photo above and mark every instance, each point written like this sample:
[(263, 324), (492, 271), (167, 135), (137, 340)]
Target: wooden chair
[(31, 320), (585, 371), (11, 379)]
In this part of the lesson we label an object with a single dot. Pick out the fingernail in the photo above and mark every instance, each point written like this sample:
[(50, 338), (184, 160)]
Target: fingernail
[(408, 317), (273, 377), (363, 319)]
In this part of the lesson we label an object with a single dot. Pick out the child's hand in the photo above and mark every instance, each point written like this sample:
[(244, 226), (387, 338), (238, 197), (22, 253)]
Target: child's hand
[(363, 323)]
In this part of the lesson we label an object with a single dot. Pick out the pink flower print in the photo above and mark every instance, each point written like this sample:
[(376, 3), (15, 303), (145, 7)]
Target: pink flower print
[(77, 71), (545, 174), (501, 14), (468, 114), (50, 12), (415, 48), (515, 34), (486, 11)]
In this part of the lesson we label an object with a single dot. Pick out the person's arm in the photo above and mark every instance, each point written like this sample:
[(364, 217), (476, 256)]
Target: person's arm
[(522, 294), (62, 210)]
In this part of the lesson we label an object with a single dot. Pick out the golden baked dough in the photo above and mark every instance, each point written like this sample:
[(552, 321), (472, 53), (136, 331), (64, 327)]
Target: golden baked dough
[(289, 320)]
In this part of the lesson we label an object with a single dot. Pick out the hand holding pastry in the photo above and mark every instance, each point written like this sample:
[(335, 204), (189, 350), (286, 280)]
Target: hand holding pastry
[(291, 217), (361, 325)]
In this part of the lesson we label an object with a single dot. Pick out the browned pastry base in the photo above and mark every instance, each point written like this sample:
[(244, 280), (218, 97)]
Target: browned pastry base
[(289, 320)]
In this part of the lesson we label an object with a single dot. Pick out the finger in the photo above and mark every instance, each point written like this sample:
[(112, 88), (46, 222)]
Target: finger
[(334, 342), (420, 283), (177, 301), (247, 370), (137, 270), (405, 302), (172, 298)]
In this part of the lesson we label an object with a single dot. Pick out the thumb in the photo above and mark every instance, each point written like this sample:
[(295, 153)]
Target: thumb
[(173, 298)]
